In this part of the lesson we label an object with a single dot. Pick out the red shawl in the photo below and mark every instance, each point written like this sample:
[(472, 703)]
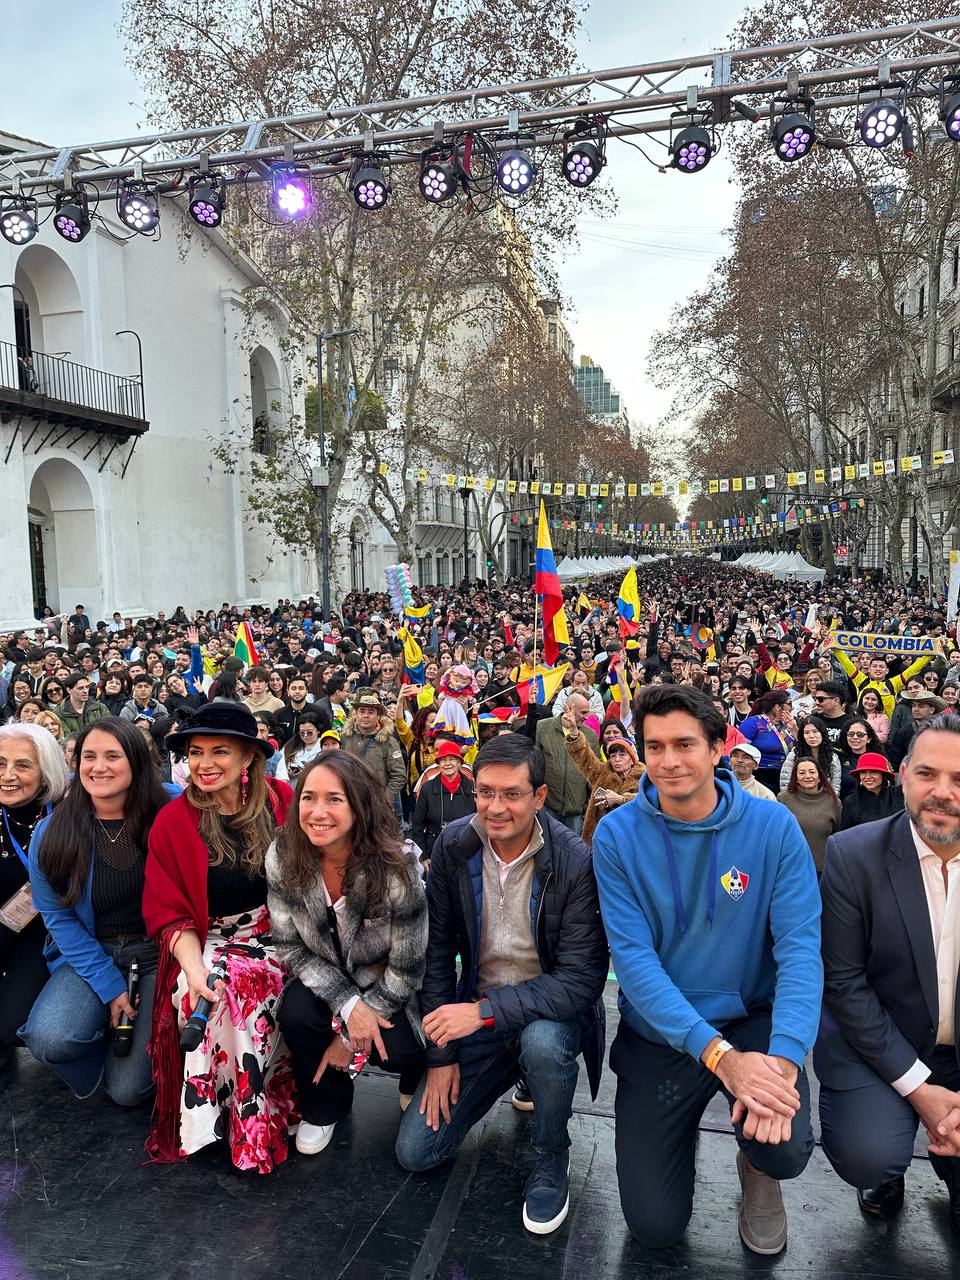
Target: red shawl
[(175, 900)]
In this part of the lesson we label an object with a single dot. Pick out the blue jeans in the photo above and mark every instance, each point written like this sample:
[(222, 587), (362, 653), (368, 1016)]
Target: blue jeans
[(544, 1052), (572, 821), (68, 1029)]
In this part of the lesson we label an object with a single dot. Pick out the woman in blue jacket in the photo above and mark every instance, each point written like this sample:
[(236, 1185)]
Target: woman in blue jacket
[(773, 732), (86, 870)]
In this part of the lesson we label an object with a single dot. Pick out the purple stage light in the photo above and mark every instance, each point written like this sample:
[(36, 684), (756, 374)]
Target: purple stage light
[(67, 228), (369, 182), (692, 149), (516, 172), (208, 196), (292, 197), (881, 123), (794, 136), (582, 163), (72, 218), (950, 110)]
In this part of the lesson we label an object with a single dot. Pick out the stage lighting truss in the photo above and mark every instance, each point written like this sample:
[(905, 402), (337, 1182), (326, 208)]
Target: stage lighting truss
[(291, 192), (138, 207), (71, 218), (207, 199), (18, 219), (884, 114), (370, 180), (793, 128), (516, 168), (584, 151), (694, 146), (950, 106)]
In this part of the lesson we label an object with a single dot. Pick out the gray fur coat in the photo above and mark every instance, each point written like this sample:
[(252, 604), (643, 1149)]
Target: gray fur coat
[(384, 955)]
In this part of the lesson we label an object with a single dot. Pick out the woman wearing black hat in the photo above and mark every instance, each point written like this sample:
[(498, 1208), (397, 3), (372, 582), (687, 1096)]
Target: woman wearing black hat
[(205, 899)]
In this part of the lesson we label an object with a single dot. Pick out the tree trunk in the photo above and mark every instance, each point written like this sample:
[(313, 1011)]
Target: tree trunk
[(931, 535)]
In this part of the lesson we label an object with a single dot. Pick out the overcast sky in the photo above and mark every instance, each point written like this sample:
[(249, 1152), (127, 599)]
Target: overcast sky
[(65, 81)]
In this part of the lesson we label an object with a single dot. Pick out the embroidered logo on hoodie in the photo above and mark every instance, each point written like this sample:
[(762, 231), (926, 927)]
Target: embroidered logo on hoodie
[(735, 883)]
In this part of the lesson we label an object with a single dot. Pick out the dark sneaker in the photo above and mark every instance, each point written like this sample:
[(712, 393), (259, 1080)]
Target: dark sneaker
[(763, 1219), (521, 1099), (546, 1197)]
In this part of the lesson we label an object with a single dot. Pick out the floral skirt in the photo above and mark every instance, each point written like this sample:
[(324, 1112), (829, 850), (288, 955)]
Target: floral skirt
[(238, 1083)]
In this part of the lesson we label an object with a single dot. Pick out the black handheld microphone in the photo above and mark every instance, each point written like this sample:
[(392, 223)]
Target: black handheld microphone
[(123, 1032), (196, 1024)]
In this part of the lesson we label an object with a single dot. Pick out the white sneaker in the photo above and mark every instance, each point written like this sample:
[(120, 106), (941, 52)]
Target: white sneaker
[(312, 1138)]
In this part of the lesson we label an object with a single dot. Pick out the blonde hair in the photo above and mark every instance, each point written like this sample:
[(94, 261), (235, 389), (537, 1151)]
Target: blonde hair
[(47, 720), (254, 825)]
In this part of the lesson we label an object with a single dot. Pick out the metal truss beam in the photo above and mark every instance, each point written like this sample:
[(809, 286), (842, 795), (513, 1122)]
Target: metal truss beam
[(633, 100)]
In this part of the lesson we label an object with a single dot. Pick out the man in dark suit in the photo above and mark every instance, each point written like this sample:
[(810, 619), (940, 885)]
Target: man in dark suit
[(887, 1053)]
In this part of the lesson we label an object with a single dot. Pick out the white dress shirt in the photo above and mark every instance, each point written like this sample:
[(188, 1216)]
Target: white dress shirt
[(943, 905)]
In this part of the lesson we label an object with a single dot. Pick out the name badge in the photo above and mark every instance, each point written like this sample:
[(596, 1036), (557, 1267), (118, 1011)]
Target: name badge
[(17, 912)]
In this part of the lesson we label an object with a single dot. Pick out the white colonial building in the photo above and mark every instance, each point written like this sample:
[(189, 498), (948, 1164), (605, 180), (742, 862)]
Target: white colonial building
[(111, 492)]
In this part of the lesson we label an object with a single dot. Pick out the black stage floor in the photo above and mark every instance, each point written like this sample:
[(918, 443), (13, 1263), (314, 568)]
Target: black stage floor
[(77, 1203)]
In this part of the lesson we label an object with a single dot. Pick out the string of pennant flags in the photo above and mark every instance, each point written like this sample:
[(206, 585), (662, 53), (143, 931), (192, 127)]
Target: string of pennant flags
[(693, 532), (819, 476)]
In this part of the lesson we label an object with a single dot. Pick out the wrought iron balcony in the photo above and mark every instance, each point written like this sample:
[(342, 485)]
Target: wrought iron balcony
[(51, 389)]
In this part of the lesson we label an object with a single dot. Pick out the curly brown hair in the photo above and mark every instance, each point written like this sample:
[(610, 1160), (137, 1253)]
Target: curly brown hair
[(376, 842)]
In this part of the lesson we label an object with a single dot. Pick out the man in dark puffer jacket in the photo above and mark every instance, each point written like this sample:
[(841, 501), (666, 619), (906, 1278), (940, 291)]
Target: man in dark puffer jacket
[(512, 892)]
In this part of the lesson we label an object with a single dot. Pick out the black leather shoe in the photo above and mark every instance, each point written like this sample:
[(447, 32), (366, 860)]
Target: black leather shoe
[(953, 1187), (884, 1201)]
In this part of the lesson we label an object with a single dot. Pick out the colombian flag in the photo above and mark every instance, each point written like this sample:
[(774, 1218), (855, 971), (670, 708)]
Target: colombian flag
[(542, 687), (584, 606), (244, 648), (413, 664), (628, 605), (411, 612), (547, 587)]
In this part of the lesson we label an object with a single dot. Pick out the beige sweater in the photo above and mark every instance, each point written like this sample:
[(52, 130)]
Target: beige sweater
[(508, 953)]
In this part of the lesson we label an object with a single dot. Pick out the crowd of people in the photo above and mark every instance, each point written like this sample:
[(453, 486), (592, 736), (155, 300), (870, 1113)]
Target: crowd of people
[(228, 883)]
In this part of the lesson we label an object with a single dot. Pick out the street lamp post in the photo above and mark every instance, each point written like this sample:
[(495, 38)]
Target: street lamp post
[(133, 333), (465, 495), (321, 474)]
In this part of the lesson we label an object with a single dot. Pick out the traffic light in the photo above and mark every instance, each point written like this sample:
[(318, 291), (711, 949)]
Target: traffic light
[(764, 501), (600, 504)]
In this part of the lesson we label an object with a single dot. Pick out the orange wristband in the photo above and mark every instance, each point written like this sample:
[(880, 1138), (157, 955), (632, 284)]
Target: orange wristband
[(716, 1053)]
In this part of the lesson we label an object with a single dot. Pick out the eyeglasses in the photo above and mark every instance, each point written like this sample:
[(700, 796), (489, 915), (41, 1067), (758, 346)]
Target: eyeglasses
[(823, 697), (855, 733), (487, 795)]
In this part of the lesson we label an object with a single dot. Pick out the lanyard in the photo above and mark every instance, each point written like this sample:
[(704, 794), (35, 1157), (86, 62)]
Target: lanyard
[(18, 849)]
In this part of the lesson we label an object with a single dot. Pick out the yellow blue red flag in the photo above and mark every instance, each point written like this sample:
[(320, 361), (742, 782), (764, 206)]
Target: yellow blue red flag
[(628, 604), (547, 587)]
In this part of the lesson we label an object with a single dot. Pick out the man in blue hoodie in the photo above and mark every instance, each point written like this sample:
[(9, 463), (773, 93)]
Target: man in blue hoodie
[(710, 901)]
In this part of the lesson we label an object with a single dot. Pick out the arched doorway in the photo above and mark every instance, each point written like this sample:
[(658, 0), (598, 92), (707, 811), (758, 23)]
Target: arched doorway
[(63, 538), (51, 321), (266, 397)]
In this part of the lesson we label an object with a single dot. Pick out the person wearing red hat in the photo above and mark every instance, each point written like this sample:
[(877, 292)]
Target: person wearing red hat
[(876, 795), (447, 796)]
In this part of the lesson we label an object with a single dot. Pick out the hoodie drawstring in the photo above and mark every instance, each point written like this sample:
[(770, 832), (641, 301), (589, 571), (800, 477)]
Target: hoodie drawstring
[(679, 908)]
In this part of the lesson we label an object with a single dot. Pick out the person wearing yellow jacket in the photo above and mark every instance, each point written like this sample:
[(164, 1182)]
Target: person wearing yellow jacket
[(878, 676)]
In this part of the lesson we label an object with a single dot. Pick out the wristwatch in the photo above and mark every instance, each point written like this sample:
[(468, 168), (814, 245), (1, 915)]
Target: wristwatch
[(485, 1010)]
